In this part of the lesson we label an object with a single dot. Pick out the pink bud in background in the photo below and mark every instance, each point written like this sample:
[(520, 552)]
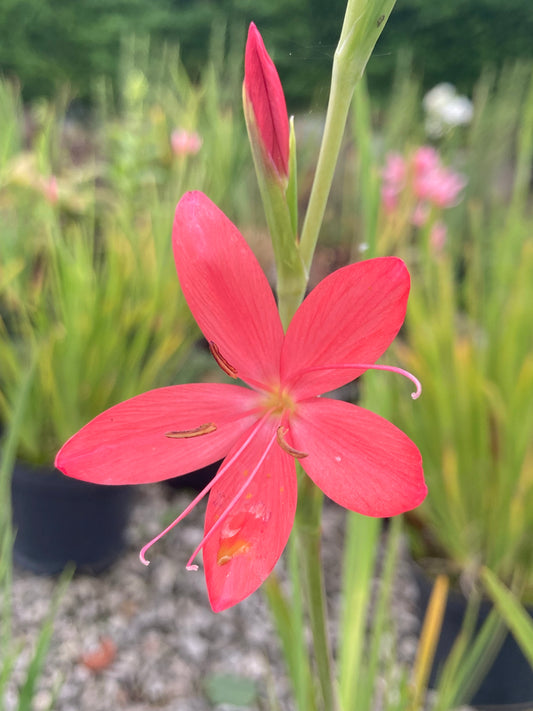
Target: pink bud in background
[(50, 190), (420, 214), (185, 143), (265, 109), (394, 175), (395, 170), (437, 237), (389, 198)]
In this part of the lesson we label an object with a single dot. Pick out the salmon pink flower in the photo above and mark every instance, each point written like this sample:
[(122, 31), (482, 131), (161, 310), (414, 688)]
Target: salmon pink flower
[(358, 459), (265, 109)]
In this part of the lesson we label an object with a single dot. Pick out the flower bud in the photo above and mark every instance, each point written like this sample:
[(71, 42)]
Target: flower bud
[(265, 109)]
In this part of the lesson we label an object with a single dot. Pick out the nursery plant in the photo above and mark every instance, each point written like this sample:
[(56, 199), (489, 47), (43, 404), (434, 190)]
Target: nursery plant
[(468, 320), (465, 231), (85, 282), (11, 646)]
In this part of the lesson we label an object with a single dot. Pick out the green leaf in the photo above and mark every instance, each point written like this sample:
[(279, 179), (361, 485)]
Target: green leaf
[(229, 689), (516, 618)]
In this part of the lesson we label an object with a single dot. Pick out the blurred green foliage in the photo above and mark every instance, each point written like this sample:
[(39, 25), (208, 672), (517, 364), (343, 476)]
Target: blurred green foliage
[(47, 43)]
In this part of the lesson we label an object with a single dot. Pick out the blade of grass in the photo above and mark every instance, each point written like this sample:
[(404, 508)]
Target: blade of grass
[(288, 617), (428, 639), (516, 618), (360, 550), (33, 673), (470, 658), (381, 620)]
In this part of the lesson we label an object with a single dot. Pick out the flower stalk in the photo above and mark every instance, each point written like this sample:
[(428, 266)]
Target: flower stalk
[(364, 21), (308, 541)]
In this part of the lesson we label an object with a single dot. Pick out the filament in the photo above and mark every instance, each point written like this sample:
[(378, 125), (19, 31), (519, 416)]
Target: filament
[(229, 507), (200, 496)]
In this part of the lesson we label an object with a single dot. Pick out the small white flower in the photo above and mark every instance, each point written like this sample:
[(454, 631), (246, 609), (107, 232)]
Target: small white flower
[(458, 112), (445, 109), (438, 97)]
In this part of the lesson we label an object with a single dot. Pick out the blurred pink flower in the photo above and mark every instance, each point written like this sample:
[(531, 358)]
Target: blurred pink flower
[(422, 177), (446, 187), (389, 198), (50, 190), (425, 159), (395, 170), (420, 214), (185, 143), (437, 236), (394, 175)]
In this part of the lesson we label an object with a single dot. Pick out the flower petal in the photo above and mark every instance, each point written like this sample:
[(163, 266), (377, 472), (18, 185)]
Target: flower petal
[(226, 289), (240, 555), (127, 444), (352, 316), (358, 459)]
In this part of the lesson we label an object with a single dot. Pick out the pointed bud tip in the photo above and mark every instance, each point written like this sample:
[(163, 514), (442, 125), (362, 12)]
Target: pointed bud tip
[(264, 97)]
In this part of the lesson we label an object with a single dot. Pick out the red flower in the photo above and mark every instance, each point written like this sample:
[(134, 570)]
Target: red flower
[(264, 104), (358, 459)]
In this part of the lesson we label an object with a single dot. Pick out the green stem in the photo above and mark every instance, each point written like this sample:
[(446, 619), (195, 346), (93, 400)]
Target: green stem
[(308, 540), (363, 23), (337, 113)]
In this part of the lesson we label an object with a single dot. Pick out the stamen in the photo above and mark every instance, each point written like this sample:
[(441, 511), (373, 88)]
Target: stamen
[(229, 507), (369, 366), (280, 435), (199, 497), (195, 432), (222, 362)]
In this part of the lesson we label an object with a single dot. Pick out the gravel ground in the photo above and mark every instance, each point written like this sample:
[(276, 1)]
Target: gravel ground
[(140, 638)]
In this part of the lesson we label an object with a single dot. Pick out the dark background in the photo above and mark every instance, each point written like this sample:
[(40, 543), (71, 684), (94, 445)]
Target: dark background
[(47, 43)]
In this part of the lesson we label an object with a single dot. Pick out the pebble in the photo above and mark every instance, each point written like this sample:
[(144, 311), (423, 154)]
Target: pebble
[(166, 640)]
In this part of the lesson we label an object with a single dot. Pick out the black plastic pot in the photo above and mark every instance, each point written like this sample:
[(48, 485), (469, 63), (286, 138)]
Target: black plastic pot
[(508, 683), (196, 480), (59, 520)]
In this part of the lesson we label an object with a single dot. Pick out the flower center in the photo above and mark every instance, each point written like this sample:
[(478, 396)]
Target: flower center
[(278, 402)]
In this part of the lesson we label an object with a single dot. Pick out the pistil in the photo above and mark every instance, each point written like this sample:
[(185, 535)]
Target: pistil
[(366, 366)]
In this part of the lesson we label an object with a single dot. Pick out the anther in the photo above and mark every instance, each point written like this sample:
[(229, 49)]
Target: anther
[(222, 362), (225, 466), (195, 432), (280, 436)]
